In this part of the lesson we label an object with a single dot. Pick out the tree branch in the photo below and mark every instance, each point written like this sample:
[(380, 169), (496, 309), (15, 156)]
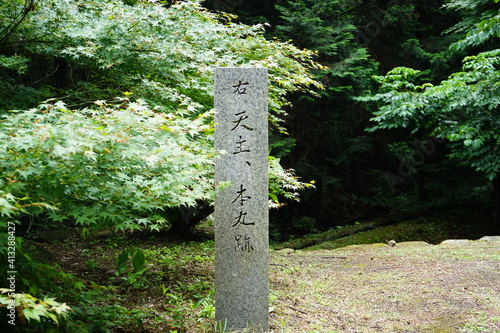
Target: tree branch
[(29, 6)]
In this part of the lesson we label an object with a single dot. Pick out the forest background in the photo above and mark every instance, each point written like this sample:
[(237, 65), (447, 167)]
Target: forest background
[(377, 109)]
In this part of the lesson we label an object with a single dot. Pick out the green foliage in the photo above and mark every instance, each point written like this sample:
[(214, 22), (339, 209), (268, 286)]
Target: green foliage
[(283, 183), (326, 128), (135, 255), (12, 206), (39, 283), (165, 55), (410, 106), (119, 165), (318, 25), (34, 275), (16, 63), (326, 26), (304, 225), (481, 21), (30, 308), (464, 109), (14, 12), (179, 309), (90, 162), (135, 278), (182, 274)]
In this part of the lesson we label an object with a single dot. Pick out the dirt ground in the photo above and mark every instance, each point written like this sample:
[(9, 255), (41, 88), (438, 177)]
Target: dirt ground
[(410, 287), (415, 287)]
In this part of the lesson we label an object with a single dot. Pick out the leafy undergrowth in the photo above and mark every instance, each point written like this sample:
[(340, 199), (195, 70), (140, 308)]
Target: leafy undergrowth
[(412, 287), (172, 293)]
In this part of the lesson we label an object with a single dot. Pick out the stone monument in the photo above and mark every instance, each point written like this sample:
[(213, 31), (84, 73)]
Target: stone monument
[(241, 211)]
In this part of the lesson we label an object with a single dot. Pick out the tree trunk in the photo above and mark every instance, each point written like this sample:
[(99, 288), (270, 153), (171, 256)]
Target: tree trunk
[(183, 219), (420, 178), (496, 203)]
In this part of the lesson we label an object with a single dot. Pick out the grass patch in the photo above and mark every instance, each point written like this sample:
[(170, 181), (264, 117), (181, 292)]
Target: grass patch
[(172, 292)]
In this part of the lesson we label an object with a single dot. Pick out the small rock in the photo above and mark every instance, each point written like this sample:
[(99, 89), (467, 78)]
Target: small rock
[(455, 242), (104, 233), (413, 244), (490, 239), (285, 251)]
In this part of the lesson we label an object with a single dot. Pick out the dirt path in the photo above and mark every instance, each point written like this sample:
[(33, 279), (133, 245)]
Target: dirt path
[(411, 287), (415, 287)]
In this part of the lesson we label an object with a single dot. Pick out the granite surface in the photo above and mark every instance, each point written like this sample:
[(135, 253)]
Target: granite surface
[(241, 212)]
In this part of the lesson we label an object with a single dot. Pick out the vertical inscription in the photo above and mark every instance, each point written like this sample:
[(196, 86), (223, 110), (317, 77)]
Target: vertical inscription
[(241, 213)]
